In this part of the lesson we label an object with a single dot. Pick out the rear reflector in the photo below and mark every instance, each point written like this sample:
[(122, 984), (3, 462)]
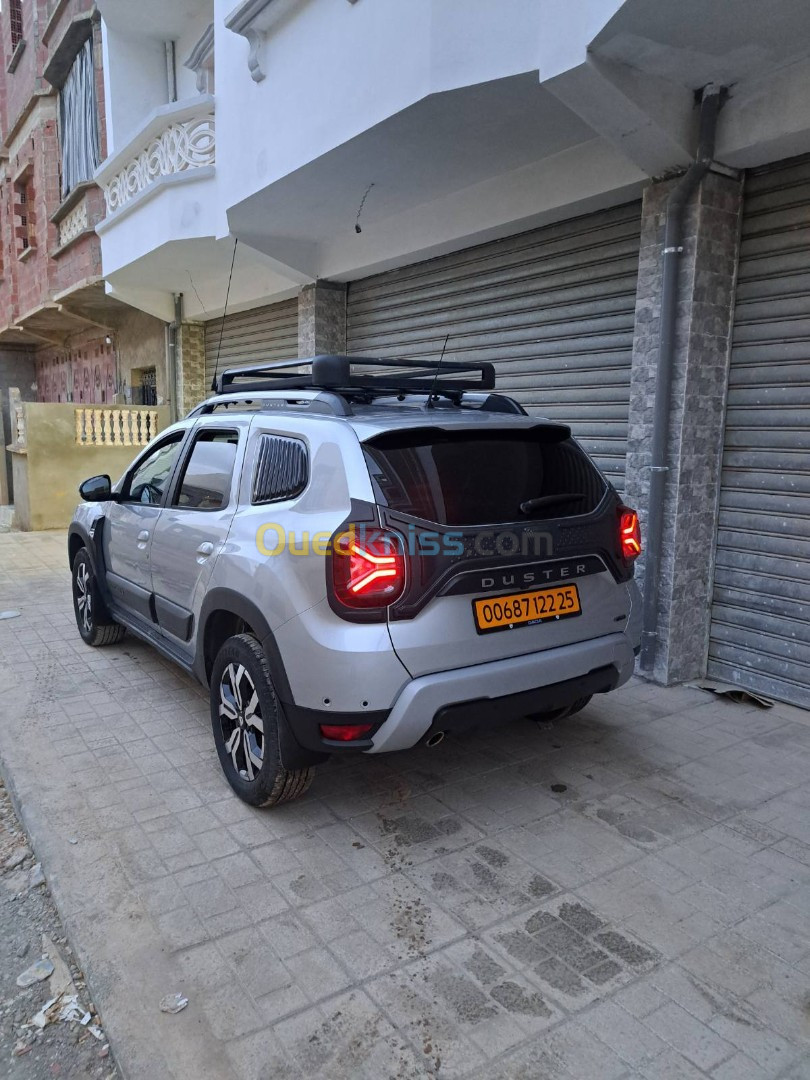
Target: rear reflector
[(345, 732), (629, 534)]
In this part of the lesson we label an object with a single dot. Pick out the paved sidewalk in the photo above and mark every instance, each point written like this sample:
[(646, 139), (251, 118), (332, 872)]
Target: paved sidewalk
[(622, 895)]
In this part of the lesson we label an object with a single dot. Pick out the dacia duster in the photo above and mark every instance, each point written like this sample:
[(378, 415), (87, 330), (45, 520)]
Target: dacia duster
[(357, 555)]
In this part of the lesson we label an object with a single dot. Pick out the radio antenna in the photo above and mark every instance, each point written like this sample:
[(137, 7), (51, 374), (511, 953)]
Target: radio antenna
[(225, 312), (436, 376)]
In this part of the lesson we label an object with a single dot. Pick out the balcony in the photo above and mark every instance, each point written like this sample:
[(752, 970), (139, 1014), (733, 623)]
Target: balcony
[(160, 195), (176, 145), (165, 231)]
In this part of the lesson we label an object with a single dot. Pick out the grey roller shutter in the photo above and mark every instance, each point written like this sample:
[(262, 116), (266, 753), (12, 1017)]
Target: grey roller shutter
[(260, 334), (760, 636), (552, 308)]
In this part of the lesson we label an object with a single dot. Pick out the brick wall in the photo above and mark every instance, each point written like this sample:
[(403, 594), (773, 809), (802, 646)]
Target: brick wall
[(35, 165), (29, 105), (85, 371)]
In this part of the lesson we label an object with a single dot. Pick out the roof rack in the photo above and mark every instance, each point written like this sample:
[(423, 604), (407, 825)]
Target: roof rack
[(335, 373)]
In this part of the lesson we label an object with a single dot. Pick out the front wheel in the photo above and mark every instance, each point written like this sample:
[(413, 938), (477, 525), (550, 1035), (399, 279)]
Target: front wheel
[(245, 716), (94, 621)]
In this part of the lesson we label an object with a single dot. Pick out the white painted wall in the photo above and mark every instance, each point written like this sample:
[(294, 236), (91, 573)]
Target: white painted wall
[(173, 213), (184, 43), (567, 28), (135, 83), (411, 93), (334, 70), (577, 181)]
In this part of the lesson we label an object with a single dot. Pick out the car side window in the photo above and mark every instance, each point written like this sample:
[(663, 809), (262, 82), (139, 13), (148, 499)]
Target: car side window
[(147, 483), (206, 480)]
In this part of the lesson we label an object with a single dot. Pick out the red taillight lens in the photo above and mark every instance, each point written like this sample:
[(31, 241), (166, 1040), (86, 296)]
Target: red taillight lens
[(345, 732), (629, 534), (368, 567)]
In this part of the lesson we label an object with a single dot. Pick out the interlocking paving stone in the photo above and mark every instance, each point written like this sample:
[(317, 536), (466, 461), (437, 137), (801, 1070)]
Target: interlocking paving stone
[(435, 913)]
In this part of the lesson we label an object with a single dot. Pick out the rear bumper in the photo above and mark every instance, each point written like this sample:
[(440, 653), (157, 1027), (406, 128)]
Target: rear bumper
[(516, 683)]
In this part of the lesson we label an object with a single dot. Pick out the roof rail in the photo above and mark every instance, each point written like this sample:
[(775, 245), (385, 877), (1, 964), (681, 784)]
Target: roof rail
[(339, 373), (313, 401)]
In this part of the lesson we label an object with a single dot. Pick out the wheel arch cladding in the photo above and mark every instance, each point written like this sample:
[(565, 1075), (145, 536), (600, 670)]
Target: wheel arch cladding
[(77, 539), (225, 613)]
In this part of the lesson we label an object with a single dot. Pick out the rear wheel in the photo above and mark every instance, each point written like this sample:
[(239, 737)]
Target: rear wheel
[(562, 714), (94, 621), (245, 716)]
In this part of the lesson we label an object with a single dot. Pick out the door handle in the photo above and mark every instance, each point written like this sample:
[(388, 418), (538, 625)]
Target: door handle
[(143, 536), (205, 549)]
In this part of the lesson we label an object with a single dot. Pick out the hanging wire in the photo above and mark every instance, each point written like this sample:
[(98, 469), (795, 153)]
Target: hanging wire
[(225, 309)]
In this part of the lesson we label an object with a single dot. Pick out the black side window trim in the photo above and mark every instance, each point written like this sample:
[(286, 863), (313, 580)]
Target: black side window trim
[(262, 451), (185, 458)]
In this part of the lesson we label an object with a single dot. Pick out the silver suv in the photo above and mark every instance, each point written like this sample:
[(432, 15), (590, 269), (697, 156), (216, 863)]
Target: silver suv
[(360, 555)]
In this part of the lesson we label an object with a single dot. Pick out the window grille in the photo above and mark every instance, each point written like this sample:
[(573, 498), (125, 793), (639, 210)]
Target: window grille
[(281, 469), (15, 17)]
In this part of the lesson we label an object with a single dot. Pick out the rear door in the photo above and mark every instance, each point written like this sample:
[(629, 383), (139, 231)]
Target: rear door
[(512, 543), (194, 524)]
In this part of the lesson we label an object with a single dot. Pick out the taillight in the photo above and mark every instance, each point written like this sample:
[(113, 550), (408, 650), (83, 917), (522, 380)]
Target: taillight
[(629, 534), (368, 567)]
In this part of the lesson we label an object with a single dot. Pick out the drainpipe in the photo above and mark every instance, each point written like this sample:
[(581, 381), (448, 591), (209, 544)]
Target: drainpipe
[(171, 69), (712, 99), (174, 359)]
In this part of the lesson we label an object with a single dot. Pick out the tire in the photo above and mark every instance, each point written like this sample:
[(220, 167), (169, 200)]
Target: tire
[(96, 626), (564, 713), (250, 754)]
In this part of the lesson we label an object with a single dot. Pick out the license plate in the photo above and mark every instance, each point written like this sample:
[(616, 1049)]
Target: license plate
[(523, 609)]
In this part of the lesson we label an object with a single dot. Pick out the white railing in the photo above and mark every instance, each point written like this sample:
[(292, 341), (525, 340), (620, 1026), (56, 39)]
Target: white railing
[(183, 145), (74, 223), (115, 427)]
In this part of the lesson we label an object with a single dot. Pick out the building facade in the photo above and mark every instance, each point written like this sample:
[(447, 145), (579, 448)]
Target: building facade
[(63, 337), (501, 175)]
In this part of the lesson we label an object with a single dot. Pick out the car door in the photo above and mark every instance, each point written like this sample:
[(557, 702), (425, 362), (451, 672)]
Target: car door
[(194, 524), (131, 520)]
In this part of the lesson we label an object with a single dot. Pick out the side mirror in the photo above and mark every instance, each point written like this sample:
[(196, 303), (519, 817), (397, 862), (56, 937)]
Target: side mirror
[(96, 489)]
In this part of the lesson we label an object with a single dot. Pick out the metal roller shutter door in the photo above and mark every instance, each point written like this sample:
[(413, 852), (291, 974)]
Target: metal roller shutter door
[(760, 636), (263, 333), (552, 308)]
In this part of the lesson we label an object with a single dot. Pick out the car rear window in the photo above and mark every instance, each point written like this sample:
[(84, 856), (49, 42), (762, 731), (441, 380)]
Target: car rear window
[(482, 478)]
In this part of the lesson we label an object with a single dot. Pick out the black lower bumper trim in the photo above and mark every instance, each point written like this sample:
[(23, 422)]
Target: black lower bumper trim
[(486, 711), (304, 730)]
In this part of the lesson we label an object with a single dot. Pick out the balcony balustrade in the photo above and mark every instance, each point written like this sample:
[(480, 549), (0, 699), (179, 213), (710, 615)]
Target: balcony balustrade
[(176, 142)]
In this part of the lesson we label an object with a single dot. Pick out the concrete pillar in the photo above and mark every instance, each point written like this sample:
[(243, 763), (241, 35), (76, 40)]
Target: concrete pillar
[(322, 318), (191, 384), (707, 278), (18, 371)]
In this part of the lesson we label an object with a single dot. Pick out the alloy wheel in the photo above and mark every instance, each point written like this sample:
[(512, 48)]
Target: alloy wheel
[(84, 597), (241, 719)]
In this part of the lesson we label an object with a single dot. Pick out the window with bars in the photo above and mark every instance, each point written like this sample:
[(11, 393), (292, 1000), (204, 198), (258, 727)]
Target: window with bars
[(15, 17), (24, 214)]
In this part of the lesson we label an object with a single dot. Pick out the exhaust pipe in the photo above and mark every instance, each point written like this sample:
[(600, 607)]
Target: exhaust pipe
[(435, 739)]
